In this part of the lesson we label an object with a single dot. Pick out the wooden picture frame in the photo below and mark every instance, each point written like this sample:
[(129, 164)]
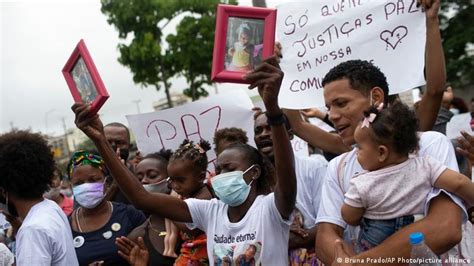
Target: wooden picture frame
[(244, 37), (83, 79)]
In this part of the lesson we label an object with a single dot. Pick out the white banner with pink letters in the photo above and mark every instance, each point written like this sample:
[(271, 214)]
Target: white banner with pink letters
[(318, 35), (198, 120)]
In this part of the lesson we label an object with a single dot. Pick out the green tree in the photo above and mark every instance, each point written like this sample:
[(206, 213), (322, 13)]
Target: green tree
[(194, 55), (190, 51), (144, 55), (457, 31), (86, 145), (259, 3)]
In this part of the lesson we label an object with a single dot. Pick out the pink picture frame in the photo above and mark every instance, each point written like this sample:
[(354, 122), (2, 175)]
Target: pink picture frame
[(244, 36), (83, 79)]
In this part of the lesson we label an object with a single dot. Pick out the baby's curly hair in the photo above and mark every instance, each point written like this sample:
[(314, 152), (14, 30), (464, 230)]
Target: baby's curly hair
[(194, 152), (26, 164), (395, 126)]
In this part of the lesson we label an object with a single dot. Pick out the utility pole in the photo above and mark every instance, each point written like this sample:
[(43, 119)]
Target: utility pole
[(137, 103), (66, 137), (46, 119)]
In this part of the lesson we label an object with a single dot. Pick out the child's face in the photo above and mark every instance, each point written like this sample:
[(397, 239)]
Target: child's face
[(250, 252), (367, 149), (183, 178), (244, 38)]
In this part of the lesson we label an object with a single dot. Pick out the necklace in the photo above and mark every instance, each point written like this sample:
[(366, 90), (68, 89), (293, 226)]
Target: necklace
[(111, 207), (160, 233)]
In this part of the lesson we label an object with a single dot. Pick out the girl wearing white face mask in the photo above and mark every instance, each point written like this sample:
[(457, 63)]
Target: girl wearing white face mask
[(159, 235), (55, 193), (96, 222), (246, 225)]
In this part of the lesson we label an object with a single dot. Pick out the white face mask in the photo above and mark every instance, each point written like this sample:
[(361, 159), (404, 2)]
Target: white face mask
[(160, 187), (66, 192), (52, 193), (89, 195), (455, 111)]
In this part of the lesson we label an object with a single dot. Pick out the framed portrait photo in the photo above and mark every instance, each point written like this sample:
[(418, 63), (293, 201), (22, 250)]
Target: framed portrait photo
[(83, 79), (244, 37)]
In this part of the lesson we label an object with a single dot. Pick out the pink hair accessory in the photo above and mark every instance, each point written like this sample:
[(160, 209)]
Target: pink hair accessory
[(370, 119), (201, 150), (380, 107)]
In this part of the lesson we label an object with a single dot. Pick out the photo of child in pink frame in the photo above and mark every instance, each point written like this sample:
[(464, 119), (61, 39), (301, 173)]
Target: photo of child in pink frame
[(244, 44), (83, 79), (244, 37)]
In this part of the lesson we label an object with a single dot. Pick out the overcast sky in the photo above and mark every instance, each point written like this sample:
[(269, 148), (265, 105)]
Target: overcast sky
[(36, 39)]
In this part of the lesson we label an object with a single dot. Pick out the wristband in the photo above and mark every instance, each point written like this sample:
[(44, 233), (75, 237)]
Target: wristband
[(278, 119)]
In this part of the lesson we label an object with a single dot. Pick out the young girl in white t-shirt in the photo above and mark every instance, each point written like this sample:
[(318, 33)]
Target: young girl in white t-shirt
[(394, 188)]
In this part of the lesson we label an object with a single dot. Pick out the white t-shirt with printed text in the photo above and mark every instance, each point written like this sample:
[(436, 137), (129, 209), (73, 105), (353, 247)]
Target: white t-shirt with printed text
[(260, 237)]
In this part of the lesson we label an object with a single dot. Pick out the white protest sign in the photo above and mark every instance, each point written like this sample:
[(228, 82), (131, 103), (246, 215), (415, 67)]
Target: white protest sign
[(458, 123), (194, 121), (300, 147), (321, 124), (319, 35)]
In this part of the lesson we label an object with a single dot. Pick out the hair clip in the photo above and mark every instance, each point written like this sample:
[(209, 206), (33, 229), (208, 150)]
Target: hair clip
[(199, 148), (368, 119), (371, 117)]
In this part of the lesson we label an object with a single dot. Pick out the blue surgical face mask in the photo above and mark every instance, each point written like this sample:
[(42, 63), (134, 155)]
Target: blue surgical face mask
[(231, 188)]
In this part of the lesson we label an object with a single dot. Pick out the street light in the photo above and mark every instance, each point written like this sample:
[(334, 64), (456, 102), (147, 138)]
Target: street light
[(46, 119), (138, 106)]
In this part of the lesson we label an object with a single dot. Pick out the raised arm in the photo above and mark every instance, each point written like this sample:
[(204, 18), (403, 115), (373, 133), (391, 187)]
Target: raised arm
[(156, 203), (267, 77), (435, 69), (314, 135)]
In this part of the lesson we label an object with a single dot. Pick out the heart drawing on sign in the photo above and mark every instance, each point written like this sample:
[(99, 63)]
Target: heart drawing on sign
[(394, 37)]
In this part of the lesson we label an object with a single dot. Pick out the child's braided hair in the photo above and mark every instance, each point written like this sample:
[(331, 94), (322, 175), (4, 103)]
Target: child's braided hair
[(194, 152)]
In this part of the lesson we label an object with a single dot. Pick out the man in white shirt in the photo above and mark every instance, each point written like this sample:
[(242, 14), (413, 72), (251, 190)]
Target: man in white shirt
[(349, 89), (26, 169), (309, 176)]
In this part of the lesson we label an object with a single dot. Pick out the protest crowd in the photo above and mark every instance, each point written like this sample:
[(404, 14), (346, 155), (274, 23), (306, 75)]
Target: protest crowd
[(385, 178)]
